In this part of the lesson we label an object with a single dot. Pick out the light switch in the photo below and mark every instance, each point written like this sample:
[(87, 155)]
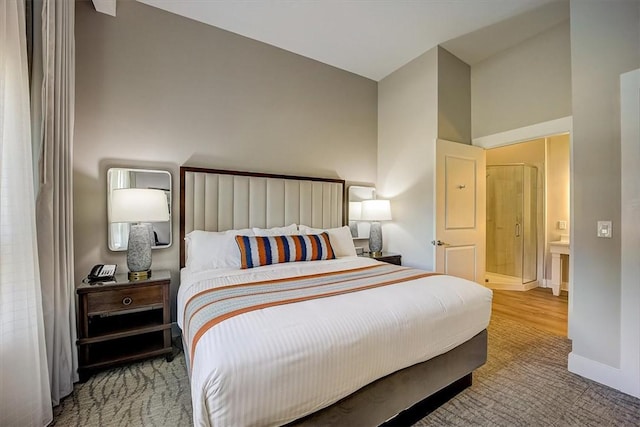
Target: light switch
[(562, 225), (604, 229)]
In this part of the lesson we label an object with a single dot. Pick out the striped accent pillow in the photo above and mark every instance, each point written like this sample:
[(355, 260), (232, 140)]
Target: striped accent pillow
[(265, 250)]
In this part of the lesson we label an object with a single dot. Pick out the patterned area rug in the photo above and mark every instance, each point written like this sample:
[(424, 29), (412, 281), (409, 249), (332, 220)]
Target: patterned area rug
[(524, 383), (150, 393)]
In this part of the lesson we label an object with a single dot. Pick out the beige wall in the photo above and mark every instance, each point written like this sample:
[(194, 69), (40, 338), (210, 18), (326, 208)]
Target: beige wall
[(424, 100), (454, 98), (407, 130), (558, 195), (527, 84), (531, 152), (605, 42), (155, 90)]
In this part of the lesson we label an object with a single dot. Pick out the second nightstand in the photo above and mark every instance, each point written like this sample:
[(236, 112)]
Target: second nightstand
[(123, 321), (391, 258)]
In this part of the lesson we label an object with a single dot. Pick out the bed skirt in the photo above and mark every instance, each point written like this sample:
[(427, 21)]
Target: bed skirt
[(383, 399)]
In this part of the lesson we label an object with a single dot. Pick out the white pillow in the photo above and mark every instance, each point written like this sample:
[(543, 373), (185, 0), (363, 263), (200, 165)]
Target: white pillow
[(212, 249), (341, 239), (276, 231)]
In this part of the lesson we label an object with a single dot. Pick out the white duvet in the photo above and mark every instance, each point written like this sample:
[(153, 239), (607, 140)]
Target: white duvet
[(272, 366)]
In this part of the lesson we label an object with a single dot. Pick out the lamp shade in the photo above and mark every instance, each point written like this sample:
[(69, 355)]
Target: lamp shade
[(355, 211), (138, 205), (376, 210)]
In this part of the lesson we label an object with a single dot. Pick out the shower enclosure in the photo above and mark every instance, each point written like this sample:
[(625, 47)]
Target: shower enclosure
[(511, 226)]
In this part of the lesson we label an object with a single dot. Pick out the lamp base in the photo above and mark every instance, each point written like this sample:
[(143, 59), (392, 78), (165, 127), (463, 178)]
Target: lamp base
[(375, 254), (375, 237), (139, 275), (139, 249), (353, 227)]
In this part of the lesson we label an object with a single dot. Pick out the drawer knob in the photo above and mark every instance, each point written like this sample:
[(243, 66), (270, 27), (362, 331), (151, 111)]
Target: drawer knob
[(127, 301)]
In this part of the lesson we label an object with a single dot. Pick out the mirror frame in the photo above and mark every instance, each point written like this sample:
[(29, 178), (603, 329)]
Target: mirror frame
[(124, 226)]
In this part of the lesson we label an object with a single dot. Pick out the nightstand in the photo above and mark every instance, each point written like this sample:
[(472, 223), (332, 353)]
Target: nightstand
[(123, 321), (389, 257)]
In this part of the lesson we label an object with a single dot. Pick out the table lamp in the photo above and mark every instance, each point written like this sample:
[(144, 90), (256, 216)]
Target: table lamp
[(376, 210), (139, 206)]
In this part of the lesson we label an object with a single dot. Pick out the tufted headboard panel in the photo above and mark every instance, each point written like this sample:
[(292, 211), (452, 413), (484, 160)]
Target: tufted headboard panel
[(220, 200)]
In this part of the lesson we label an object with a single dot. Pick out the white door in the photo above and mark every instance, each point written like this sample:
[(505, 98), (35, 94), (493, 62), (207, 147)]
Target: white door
[(460, 210)]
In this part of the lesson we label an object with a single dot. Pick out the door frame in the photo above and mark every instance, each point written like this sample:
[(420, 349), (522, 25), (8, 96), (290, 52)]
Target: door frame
[(536, 131), (629, 379)]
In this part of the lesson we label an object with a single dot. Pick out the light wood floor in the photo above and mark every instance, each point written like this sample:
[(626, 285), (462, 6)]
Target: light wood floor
[(536, 307)]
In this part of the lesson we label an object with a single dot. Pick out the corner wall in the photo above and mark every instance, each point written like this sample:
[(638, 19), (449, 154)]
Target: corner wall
[(407, 131), (605, 42), (454, 98), (527, 84), (427, 99)]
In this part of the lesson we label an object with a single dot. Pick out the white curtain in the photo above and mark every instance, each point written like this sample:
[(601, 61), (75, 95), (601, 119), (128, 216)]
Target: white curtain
[(24, 384), (55, 199)]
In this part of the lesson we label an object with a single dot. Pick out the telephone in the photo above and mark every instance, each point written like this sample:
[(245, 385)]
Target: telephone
[(102, 272)]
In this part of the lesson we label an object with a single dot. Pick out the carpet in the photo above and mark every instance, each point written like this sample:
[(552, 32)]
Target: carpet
[(525, 382), (150, 393)]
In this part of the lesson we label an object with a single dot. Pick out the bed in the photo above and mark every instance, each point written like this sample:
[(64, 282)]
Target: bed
[(340, 340)]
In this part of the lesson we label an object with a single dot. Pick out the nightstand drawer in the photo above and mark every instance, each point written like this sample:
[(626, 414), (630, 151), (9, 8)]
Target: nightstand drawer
[(125, 299)]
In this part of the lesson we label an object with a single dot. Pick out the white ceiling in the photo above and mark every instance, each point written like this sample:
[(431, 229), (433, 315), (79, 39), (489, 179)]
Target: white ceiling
[(372, 38)]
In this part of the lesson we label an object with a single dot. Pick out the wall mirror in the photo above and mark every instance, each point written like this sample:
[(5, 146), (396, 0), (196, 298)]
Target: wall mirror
[(118, 233), (359, 229)]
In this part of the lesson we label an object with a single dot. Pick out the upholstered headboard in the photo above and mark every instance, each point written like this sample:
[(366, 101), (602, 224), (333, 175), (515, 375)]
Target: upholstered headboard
[(220, 200)]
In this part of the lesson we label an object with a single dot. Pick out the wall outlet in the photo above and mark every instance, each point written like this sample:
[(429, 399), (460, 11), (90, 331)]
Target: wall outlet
[(604, 229), (562, 225)]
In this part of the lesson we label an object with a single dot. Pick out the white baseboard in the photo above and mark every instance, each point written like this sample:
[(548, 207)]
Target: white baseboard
[(511, 287), (596, 371), (546, 283)]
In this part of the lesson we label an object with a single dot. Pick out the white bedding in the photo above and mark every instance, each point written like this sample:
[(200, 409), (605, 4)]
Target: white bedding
[(275, 365)]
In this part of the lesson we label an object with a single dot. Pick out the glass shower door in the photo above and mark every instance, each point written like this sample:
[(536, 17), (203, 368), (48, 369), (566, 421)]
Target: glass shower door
[(505, 220)]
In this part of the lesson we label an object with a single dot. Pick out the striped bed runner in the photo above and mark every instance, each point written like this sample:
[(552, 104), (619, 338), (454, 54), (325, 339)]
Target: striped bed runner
[(212, 306)]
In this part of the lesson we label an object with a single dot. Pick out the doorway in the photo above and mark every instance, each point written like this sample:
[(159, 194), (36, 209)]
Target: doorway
[(528, 199), (558, 178)]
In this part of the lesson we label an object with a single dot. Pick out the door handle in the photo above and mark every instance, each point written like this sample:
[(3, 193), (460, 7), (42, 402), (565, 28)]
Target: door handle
[(517, 230), (438, 243)]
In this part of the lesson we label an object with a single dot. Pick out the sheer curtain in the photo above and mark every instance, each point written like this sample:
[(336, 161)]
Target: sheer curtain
[(55, 199), (25, 398)]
